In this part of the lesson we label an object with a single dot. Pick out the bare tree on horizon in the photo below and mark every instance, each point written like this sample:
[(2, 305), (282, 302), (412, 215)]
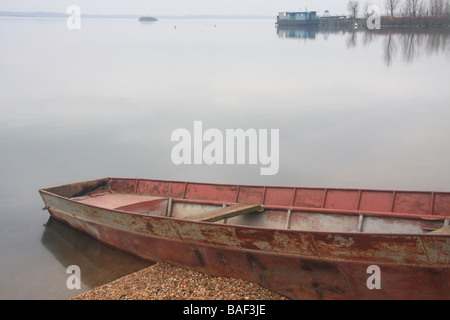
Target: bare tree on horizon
[(391, 6), (353, 7), (436, 7), (413, 8)]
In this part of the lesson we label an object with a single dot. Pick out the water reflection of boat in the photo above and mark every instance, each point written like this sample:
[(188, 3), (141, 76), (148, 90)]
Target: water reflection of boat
[(98, 262), (314, 243), (297, 32), (406, 44)]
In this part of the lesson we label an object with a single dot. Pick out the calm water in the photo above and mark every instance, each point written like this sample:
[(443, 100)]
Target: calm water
[(354, 109)]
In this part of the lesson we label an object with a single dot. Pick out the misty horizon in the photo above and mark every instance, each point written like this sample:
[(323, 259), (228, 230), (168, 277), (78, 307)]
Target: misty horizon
[(180, 8)]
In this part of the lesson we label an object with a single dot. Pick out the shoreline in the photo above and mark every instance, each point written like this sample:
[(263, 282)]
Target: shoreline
[(162, 281), (386, 22)]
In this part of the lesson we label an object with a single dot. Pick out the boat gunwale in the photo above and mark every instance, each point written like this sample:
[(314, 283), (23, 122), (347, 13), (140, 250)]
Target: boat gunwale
[(184, 220), (272, 186)]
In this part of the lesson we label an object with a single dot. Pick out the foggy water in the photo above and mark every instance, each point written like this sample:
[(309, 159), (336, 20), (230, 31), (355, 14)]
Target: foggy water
[(353, 109)]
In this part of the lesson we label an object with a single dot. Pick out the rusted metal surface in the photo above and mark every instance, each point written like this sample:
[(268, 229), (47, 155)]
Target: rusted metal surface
[(301, 264)]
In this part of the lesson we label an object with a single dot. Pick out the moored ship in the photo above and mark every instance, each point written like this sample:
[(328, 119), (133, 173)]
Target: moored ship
[(300, 18)]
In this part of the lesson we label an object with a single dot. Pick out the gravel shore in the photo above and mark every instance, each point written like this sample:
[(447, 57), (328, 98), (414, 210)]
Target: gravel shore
[(165, 282)]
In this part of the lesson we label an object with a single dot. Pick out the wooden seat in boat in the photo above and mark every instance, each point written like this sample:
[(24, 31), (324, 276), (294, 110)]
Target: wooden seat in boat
[(226, 212), (443, 230)]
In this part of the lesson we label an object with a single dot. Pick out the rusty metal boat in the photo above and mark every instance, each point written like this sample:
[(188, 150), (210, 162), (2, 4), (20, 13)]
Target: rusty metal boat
[(304, 243)]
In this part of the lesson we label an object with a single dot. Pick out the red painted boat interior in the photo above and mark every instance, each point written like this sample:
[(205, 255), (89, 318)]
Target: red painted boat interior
[(432, 204), (312, 209)]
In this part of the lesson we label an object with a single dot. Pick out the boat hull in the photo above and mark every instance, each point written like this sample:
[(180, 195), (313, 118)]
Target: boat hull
[(298, 23), (297, 264)]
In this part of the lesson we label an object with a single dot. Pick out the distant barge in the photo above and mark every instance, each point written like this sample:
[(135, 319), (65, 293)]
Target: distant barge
[(311, 19), (294, 19)]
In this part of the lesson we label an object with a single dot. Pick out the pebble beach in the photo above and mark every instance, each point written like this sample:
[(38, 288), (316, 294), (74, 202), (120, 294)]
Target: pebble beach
[(166, 282)]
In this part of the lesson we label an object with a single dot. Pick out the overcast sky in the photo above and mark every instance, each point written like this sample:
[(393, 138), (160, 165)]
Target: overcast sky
[(181, 7)]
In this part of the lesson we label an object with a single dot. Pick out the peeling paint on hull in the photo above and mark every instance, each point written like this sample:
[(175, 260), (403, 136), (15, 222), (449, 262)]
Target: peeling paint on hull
[(296, 263)]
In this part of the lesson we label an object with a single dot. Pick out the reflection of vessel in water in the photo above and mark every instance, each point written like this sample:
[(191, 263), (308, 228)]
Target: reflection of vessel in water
[(404, 44), (98, 262), (297, 32), (315, 243)]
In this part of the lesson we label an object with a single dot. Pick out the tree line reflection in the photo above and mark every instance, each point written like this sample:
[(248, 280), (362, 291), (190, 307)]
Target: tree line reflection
[(407, 45)]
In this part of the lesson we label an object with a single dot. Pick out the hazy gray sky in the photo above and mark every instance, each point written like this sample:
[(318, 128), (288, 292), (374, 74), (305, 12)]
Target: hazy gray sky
[(180, 7)]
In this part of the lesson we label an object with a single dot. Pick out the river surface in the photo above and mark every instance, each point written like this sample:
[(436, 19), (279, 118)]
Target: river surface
[(353, 109)]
